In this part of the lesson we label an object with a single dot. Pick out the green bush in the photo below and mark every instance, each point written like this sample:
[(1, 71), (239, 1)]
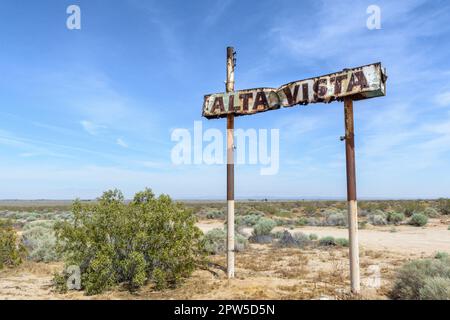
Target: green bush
[(263, 227), (422, 279), (215, 214), (299, 240), (114, 242), (215, 241), (336, 218), (377, 219), (444, 206), (313, 237), (418, 219), (283, 213), (395, 217), (342, 242), (248, 220), (327, 241), (309, 209), (436, 288), (302, 221), (302, 240), (412, 207), (39, 239), (313, 222), (431, 212), (286, 240), (441, 255), (11, 251)]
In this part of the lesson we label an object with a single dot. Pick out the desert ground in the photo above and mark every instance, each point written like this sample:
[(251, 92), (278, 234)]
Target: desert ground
[(267, 271)]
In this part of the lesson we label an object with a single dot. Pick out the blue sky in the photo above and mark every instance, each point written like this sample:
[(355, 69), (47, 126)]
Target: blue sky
[(85, 110)]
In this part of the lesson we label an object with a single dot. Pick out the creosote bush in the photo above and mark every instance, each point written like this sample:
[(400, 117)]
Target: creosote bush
[(418, 219), (332, 242), (395, 217), (431, 212), (444, 206), (146, 240), (11, 251)]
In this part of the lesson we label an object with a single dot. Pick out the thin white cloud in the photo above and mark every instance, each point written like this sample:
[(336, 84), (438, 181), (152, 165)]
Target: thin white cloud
[(92, 128), (443, 99), (121, 143)]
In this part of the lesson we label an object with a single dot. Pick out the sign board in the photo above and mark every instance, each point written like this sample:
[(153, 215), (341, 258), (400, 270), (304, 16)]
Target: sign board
[(360, 83)]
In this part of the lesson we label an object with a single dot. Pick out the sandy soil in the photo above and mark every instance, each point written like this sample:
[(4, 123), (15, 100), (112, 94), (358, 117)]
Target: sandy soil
[(267, 272), (405, 239), (402, 239)]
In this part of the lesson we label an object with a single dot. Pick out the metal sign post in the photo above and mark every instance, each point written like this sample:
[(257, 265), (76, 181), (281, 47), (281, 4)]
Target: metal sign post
[(348, 85), (351, 194), (230, 168)]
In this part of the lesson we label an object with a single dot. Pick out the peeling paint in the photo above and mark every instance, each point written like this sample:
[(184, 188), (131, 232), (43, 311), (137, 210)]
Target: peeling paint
[(360, 83)]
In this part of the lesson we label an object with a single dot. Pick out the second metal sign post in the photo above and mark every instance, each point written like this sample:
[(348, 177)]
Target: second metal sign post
[(230, 167)]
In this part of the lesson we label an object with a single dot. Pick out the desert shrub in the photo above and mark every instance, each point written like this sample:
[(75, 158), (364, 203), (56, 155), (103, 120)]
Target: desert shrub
[(286, 240), (263, 227), (363, 212), (313, 222), (215, 241), (327, 241), (310, 209), (431, 212), (278, 234), (342, 242), (444, 206), (248, 220), (338, 218), (436, 288), (377, 218), (418, 219), (313, 237), (302, 221), (299, 240), (113, 242), (283, 213), (395, 217), (11, 251), (441, 255), (284, 222), (215, 214), (422, 279), (262, 231), (362, 224), (267, 208), (411, 207), (39, 239)]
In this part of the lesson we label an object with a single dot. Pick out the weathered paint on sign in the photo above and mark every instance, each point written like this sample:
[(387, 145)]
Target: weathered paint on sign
[(359, 83)]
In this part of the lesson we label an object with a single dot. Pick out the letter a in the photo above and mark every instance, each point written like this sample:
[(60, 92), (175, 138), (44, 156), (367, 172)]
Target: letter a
[(74, 20)]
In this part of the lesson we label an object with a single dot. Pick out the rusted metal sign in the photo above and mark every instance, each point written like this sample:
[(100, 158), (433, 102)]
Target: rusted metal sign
[(360, 83)]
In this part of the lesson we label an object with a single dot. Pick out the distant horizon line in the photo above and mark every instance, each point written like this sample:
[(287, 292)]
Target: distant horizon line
[(243, 199)]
